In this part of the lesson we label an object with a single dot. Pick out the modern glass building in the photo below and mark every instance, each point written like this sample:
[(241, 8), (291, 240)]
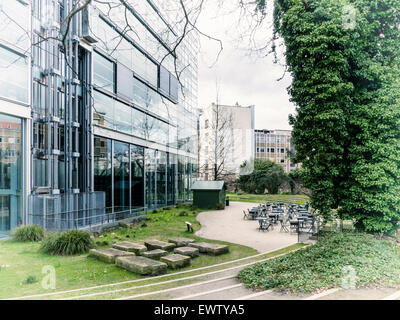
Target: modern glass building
[(96, 126)]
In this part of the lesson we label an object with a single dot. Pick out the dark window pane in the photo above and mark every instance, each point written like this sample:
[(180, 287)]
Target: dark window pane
[(102, 168), (121, 176)]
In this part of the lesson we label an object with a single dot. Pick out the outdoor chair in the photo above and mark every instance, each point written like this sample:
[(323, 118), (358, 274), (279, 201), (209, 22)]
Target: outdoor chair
[(245, 215), (265, 225), (284, 225), (294, 225)]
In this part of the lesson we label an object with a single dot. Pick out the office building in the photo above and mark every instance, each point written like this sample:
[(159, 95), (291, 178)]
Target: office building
[(95, 126), (277, 146)]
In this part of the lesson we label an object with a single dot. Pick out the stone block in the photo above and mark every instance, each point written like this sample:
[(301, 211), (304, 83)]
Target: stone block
[(109, 255), (210, 248), (138, 249), (181, 242), (187, 251), (142, 265), (156, 244), (175, 261), (155, 254)]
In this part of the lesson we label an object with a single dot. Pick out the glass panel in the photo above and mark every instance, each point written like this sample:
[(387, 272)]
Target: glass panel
[(138, 123), (161, 178), (181, 177), (137, 169), (102, 168), (151, 162), (13, 75), (14, 23), (121, 176), (103, 113), (172, 167), (122, 117), (103, 72), (10, 172)]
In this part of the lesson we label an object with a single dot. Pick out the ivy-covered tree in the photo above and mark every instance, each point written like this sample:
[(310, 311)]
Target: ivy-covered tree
[(344, 60)]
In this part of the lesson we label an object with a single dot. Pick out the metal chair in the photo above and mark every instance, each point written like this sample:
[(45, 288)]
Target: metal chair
[(245, 215), (284, 225)]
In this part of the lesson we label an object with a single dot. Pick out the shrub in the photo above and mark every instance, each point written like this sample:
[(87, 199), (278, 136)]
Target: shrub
[(219, 206), (183, 214), (67, 243), (155, 211), (33, 233), (167, 208)]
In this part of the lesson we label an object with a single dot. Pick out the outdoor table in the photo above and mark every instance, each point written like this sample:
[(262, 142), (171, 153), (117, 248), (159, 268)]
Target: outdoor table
[(274, 216), (253, 213)]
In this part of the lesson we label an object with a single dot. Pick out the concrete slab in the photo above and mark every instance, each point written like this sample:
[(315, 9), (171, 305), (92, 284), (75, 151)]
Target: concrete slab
[(175, 261), (210, 248), (156, 244), (142, 265), (187, 251), (136, 248), (109, 255), (181, 242), (155, 254)]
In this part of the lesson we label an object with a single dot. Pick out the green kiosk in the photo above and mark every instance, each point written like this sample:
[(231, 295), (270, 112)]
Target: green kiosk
[(209, 194)]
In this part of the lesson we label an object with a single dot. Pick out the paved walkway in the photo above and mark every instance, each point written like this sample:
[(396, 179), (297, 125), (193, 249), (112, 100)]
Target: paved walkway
[(228, 225)]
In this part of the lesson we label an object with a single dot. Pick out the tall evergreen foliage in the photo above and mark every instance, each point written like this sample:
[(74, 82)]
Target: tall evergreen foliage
[(346, 86)]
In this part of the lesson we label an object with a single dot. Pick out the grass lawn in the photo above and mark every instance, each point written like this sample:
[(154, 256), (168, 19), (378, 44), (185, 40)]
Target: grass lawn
[(325, 265), (265, 198), (21, 263)]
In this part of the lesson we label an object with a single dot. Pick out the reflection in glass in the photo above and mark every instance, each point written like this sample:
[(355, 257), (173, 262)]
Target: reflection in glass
[(161, 178), (181, 178), (103, 113), (13, 75), (103, 72), (102, 168), (151, 163), (172, 167), (137, 173), (121, 176), (10, 172)]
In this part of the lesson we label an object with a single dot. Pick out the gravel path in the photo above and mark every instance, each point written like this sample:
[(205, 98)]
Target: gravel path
[(228, 225)]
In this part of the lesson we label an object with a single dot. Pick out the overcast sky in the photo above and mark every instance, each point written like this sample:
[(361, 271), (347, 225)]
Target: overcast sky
[(241, 78)]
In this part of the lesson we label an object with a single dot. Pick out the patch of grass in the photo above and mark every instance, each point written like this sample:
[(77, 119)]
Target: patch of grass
[(322, 266), (80, 271), (33, 233), (265, 198)]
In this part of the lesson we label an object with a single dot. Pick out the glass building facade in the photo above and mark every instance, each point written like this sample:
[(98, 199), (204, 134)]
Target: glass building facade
[(102, 123)]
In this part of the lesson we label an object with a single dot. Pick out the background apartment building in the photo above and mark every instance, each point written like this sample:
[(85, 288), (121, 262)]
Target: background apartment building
[(277, 146), (226, 140), (100, 125)]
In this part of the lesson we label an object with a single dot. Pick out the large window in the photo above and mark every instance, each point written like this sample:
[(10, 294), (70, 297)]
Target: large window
[(121, 176), (14, 23), (103, 113), (13, 75), (104, 72), (151, 166), (103, 167), (137, 174), (161, 178), (10, 172)]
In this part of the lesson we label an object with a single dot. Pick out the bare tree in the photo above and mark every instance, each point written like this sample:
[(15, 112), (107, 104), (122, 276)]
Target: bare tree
[(217, 143)]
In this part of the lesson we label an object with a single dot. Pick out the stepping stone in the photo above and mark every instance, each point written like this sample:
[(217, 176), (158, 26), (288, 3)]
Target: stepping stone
[(155, 254), (138, 249), (187, 251), (181, 242), (142, 265), (109, 255), (175, 261), (210, 248), (155, 244)]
